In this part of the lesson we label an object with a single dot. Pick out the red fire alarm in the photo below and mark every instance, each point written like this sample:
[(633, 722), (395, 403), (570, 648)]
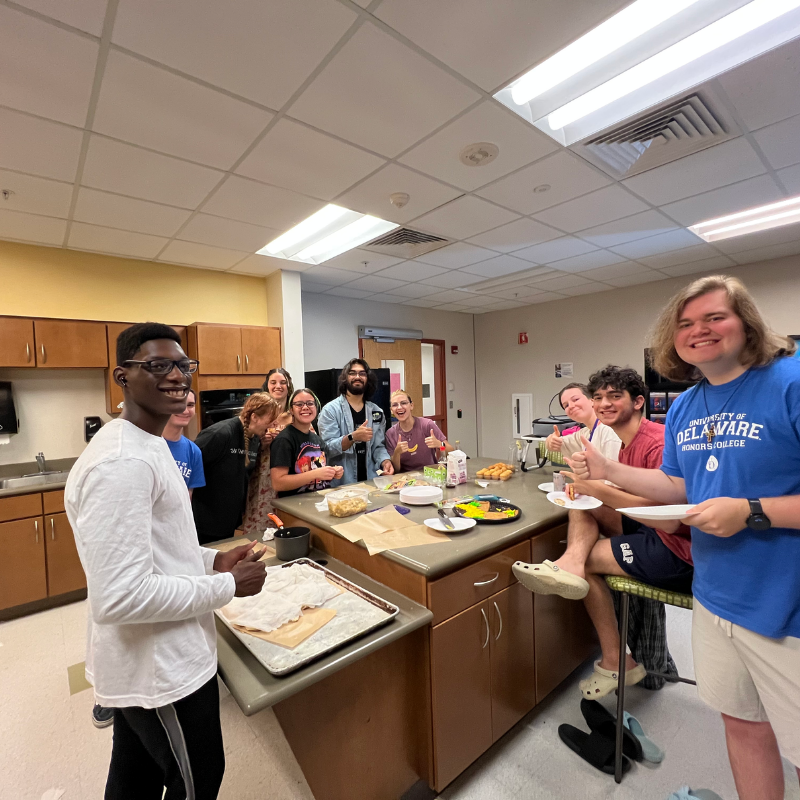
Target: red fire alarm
[(523, 338), (454, 349)]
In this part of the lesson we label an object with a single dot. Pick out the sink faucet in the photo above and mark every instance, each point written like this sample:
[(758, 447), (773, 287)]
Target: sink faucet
[(41, 463)]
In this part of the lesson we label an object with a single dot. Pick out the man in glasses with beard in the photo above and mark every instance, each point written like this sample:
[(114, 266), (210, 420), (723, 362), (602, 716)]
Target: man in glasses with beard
[(354, 428)]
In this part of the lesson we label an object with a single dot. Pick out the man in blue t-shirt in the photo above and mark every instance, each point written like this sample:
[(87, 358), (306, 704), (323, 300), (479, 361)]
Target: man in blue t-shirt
[(186, 453), (732, 450)]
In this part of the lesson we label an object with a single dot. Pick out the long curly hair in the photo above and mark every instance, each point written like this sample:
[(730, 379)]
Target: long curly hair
[(257, 405), (289, 384), (371, 385)]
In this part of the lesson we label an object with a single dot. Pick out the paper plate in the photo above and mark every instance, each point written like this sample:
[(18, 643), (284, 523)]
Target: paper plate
[(657, 513), (421, 495), (460, 524), (583, 503), (546, 487)]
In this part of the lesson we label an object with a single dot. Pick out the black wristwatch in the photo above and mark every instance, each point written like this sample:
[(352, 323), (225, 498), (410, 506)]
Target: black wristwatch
[(758, 520), (350, 437)]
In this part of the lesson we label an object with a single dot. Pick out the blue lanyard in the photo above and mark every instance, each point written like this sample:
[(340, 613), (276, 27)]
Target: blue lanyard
[(594, 427)]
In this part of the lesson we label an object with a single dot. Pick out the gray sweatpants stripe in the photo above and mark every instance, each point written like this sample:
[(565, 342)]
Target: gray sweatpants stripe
[(172, 727)]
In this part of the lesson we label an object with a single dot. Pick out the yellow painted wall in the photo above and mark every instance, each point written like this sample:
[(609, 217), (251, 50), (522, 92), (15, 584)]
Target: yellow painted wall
[(68, 284)]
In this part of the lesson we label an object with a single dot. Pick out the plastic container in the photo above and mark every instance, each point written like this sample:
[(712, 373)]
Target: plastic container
[(346, 502)]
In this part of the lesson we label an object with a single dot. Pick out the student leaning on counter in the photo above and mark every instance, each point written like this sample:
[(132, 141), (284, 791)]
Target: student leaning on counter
[(414, 442)]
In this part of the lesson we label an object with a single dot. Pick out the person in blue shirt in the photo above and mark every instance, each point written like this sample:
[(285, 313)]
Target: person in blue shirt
[(186, 453), (732, 450)]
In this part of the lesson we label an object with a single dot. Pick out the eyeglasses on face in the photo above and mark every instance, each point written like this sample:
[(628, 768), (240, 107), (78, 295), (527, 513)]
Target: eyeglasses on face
[(400, 404), (357, 374), (304, 404), (163, 366)]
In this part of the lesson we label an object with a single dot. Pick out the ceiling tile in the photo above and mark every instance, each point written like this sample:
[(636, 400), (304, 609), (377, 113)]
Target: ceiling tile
[(449, 296), (613, 270), (151, 107), (411, 271), (380, 94), (727, 200), (476, 301), (125, 169), (387, 298), (567, 176), (36, 195), (200, 255), (565, 247), (592, 209), (653, 245), (779, 142), (353, 260), (491, 48), (518, 142), (682, 256), (126, 213), (545, 297), (422, 302), (85, 15), (372, 195), (452, 307), (790, 177), (456, 255), (46, 70), (779, 70), (220, 232), (315, 288), (516, 235), (704, 265), (38, 146), (729, 162), (585, 288), (589, 261), (412, 290), (31, 228), (263, 51), (264, 265), (372, 283), (506, 305), (751, 241), (464, 217), (116, 242), (561, 282), (646, 276), (347, 291), (299, 158), (324, 274), (768, 252), (497, 267), (259, 204), (453, 279), (639, 226), (518, 293)]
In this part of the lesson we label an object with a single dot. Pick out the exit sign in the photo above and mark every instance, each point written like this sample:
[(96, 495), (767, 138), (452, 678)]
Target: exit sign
[(523, 338)]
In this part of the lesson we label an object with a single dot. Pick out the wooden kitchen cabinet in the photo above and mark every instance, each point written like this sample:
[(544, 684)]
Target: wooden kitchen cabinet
[(261, 349), (17, 343), (64, 344), (219, 349), (23, 574), (64, 570)]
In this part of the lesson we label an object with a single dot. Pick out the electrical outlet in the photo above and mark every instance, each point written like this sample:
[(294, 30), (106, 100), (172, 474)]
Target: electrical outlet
[(451, 404)]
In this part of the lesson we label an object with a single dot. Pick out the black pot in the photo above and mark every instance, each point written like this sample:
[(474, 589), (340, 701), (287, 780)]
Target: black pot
[(291, 543)]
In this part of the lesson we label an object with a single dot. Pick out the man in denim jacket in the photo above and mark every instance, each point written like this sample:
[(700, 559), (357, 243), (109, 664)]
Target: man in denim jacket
[(353, 428)]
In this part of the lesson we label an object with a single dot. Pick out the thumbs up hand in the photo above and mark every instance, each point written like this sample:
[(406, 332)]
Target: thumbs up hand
[(363, 433), (553, 442), (590, 464), (431, 441)]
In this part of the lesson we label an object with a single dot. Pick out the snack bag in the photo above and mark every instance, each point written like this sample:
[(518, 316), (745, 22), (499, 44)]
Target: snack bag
[(456, 468)]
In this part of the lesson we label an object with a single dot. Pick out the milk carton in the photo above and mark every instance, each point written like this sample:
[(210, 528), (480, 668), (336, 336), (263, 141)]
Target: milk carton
[(456, 467)]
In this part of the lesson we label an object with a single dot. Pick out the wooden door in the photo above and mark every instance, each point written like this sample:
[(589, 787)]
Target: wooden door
[(261, 349), (23, 575), (437, 399), (64, 570), (219, 349), (17, 344), (462, 691), (513, 668), (406, 351), (64, 343)]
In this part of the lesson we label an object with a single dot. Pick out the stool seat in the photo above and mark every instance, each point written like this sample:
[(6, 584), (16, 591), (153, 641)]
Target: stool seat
[(634, 587)]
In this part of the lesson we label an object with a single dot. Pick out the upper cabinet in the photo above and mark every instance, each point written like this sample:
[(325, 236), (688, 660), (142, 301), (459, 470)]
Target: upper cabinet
[(234, 350), (261, 349), (17, 344), (62, 344)]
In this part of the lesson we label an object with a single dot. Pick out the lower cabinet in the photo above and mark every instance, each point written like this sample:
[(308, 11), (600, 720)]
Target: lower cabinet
[(23, 570), (64, 570)]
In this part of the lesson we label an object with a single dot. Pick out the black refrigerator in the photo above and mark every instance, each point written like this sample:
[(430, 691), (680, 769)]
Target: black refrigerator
[(323, 382)]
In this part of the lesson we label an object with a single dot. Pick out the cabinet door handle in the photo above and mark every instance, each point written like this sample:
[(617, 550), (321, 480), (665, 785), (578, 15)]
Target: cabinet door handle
[(486, 621), (36, 528), (238, 363), (486, 583), (53, 537), (44, 356), (28, 351), (500, 617)]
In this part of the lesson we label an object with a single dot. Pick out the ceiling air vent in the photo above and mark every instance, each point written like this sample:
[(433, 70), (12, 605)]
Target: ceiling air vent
[(405, 243), (675, 130)]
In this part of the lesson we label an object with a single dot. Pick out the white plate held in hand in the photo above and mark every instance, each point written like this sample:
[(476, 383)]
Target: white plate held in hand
[(460, 524), (546, 487), (657, 513), (583, 503)]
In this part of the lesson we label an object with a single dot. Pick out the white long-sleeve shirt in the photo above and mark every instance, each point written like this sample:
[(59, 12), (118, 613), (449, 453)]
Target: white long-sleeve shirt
[(152, 588)]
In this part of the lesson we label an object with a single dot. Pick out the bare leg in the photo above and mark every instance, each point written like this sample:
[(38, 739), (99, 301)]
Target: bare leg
[(755, 759), (583, 533)]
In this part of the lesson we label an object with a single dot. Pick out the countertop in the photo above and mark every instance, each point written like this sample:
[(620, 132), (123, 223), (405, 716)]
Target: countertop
[(31, 468), (256, 689), (45, 487), (538, 515)]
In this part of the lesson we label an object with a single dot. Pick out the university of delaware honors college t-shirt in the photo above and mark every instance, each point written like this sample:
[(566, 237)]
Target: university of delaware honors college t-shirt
[(753, 577)]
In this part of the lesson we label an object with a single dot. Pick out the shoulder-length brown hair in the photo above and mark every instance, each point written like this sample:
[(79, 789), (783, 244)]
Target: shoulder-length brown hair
[(257, 405), (762, 344)]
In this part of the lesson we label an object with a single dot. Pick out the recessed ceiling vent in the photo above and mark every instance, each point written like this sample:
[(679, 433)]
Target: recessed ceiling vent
[(405, 243), (675, 130)]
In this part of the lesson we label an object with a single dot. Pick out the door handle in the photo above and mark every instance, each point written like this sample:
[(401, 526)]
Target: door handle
[(53, 537), (36, 528), (28, 351), (44, 356), (486, 583), (500, 617), (246, 362), (486, 621), (238, 363)]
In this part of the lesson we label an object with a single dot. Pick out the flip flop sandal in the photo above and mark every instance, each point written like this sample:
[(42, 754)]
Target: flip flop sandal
[(685, 793), (605, 681), (599, 719), (548, 578), (593, 748), (650, 750)]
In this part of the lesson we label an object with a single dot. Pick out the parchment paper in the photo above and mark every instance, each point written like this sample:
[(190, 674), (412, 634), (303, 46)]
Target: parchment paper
[(294, 633), (269, 552), (387, 529)]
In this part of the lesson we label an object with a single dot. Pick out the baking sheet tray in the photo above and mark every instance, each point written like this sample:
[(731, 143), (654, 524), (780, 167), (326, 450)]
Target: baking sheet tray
[(357, 612)]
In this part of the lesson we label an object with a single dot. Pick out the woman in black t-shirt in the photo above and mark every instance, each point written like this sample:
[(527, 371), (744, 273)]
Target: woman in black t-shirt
[(298, 457)]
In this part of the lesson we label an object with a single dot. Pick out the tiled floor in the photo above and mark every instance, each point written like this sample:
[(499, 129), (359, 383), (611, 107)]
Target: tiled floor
[(47, 740)]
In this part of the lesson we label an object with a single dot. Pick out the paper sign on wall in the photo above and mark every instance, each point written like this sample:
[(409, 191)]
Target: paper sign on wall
[(564, 369)]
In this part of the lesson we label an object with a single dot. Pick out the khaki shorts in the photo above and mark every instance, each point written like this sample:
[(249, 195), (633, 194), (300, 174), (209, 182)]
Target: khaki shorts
[(749, 676)]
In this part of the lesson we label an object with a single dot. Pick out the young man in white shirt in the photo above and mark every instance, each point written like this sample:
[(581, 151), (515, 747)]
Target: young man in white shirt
[(151, 644)]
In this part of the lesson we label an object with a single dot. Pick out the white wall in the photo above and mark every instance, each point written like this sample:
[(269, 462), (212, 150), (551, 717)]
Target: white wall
[(330, 338), (592, 331), (51, 405)]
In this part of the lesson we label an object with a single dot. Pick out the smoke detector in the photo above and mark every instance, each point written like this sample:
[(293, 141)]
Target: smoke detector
[(542, 187), (399, 199), (479, 154)]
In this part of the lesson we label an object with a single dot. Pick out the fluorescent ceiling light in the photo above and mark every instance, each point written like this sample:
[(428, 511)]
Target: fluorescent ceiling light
[(736, 24), (773, 215), (327, 233), (617, 31)]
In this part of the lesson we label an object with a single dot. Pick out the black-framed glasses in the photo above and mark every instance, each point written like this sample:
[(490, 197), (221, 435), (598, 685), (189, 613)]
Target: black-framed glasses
[(353, 374), (163, 366), (304, 404)]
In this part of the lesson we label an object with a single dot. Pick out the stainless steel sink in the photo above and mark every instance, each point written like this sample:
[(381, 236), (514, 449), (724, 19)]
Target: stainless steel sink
[(34, 480)]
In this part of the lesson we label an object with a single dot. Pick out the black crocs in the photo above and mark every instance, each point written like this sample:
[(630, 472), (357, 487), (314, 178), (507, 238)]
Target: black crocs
[(601, 721), (594, 748)]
